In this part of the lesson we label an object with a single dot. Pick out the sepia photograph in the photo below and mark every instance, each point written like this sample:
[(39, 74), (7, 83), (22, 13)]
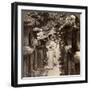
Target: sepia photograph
[(49, 44)]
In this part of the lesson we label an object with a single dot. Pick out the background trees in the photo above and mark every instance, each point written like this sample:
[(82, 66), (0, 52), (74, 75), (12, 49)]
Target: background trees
[(44, 20)]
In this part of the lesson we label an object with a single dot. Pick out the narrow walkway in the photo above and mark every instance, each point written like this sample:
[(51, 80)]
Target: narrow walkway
[(54, 72)]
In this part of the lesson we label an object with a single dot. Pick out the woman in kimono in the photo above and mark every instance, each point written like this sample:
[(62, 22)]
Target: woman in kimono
[(51, 52), (53, 56)]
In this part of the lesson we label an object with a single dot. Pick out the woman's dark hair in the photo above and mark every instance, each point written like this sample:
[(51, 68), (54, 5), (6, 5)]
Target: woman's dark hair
[(50, 36)]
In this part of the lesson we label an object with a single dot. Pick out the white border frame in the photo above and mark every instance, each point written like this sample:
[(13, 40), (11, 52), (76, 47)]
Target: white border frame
[(82, 49)]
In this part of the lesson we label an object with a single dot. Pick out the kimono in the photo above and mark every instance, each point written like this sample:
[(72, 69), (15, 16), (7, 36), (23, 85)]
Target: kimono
[(52, 53)]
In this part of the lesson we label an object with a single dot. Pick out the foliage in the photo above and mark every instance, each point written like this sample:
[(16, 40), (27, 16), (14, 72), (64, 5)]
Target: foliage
[(47, 20)]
